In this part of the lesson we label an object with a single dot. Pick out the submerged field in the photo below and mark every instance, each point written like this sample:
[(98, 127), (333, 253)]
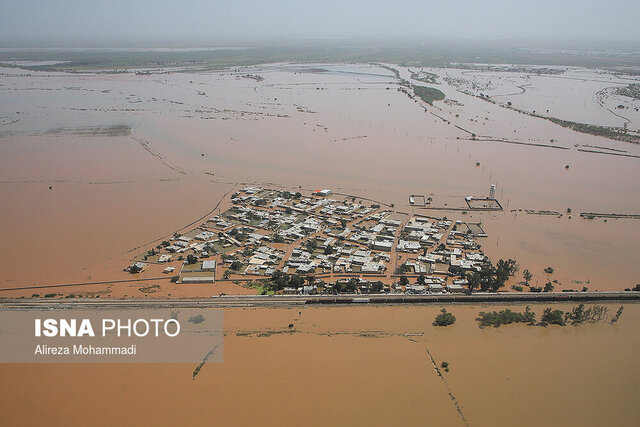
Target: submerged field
[(97, 168), (357, 365)]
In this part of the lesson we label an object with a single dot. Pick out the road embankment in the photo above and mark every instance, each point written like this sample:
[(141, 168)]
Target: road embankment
[(316, 300)]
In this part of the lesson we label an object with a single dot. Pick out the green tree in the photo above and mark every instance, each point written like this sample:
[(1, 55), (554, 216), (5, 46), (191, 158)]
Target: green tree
[(526, 274), (444, 318), (311, 245), (473, 281), (456, 270), (196, 319), (403, 281), (352, 284), (191, 259), (505, 317), (296, 281), (554, 317), (404, 268), (279, 280), (422, 279), (377, 287)]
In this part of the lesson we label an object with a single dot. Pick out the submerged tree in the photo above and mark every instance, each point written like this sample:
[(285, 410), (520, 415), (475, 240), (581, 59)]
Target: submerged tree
[(505, 317), (444, 318), (554, 317), (580, 314), (617, 315)]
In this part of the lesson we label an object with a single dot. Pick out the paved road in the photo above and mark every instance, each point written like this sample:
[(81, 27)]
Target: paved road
[(298, 300)]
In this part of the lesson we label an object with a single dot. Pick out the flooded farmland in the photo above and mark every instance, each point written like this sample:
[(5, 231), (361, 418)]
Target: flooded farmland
[(319, 214), (357, 365), (132, 158)]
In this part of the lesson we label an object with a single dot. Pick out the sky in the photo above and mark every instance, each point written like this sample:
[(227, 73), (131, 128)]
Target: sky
[(154, 23)]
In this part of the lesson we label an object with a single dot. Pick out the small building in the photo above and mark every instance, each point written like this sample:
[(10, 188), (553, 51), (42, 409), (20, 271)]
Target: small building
[(416, 289), (455, 288), (382, 245), (435, 287), (168, 270), (322, 193), (209, 265), (204, 236), (408, 246), (136, 267), (308, 290)]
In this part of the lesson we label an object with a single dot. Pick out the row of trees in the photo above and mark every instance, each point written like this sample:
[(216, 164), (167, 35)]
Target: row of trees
[(578, 315), (491, 278), (280, 280), (505, 317)]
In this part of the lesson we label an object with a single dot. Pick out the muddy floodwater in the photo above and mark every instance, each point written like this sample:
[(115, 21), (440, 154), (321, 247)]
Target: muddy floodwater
[(356, 366), (95, 168)]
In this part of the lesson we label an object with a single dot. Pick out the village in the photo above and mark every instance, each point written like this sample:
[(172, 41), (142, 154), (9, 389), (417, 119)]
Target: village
[(292, 243)]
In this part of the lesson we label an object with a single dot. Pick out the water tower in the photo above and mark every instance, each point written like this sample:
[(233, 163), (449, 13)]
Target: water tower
[(492, 191)]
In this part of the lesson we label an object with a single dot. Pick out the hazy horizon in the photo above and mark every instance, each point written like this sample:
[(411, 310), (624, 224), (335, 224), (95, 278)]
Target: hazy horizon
[(73, 23)]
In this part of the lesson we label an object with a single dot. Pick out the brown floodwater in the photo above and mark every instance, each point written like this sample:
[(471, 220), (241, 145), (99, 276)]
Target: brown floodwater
[(356, 366), (193, 136)]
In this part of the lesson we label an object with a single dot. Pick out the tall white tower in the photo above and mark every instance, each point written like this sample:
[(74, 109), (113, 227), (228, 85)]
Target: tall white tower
[(492, 191)]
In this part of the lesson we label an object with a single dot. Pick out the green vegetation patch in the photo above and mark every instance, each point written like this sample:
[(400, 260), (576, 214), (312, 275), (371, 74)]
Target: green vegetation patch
[(428, 94), (505, 317), (196, 319), (424, 76), (605, 131), (632, 91), (444, 318)]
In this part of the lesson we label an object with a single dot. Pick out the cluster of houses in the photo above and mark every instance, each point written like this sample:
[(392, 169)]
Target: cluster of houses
[(328, 255), (422, 232), (336, 237), (292, 217), (377, 232), (434, 285), (263, 261)]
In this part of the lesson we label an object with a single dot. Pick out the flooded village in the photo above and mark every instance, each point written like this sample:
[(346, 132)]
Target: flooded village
[(177, 133), (327, 245), (187, 185)]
